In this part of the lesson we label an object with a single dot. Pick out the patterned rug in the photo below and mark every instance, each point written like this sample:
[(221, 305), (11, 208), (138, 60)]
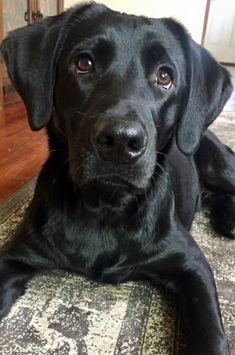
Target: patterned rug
[(65, 314)]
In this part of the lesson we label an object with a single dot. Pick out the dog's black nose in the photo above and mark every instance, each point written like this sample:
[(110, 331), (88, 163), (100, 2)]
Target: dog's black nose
[(120, 141)]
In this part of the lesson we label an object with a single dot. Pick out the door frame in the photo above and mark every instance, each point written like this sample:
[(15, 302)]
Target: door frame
[(206, 17)]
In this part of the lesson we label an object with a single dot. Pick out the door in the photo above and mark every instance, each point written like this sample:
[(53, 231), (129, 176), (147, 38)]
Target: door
[(220, 34)]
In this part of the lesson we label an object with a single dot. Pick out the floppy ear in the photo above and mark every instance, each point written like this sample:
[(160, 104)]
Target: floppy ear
[(31, 55), (209, 88)]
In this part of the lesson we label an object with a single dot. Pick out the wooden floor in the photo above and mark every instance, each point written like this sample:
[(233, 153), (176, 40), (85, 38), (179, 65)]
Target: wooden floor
[(22, 152)]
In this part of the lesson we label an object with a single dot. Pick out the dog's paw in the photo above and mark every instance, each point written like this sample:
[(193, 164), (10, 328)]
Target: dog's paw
[(231, 234), (223, 215), (224, 226)]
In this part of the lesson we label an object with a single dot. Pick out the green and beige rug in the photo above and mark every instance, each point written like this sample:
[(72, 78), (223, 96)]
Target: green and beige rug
[(64, 314)]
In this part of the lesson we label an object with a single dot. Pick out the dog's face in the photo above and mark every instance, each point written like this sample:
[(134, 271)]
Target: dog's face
[(115, 77), (121, 88)]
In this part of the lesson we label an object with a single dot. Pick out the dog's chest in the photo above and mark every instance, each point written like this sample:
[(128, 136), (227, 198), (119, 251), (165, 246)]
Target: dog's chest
[(106, 254)]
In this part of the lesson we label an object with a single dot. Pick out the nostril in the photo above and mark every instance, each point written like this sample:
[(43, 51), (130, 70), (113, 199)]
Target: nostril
[(135, 144), (106, 140)]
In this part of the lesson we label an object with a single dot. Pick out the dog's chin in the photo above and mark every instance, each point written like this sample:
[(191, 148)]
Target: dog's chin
[(113, 184), (109, 195)]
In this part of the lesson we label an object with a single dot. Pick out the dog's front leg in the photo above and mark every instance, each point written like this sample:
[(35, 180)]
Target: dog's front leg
[(20, 260), (183, 268), (14, 275)]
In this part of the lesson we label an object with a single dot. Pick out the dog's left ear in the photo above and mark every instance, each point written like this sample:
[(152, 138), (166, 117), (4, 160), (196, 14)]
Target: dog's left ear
[(209, 87), (31, 54)]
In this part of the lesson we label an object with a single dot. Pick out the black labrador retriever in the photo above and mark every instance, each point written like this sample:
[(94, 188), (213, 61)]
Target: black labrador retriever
[(126, 101)]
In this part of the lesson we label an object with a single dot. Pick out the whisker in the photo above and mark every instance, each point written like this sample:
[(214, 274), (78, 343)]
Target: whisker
[(160, 153), (60, 169), (166, 179)]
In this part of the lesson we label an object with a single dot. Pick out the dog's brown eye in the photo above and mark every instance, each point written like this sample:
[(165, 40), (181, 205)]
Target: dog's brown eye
[(84, 64), (164, 78)]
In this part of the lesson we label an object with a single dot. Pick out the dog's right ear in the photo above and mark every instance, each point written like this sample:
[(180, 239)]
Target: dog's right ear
[(31, 55)]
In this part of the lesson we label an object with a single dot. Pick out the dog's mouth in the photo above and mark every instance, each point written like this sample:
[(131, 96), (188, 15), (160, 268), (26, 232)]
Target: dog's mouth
[(113, 181), (111, 194), (104, 176), (112, 184)]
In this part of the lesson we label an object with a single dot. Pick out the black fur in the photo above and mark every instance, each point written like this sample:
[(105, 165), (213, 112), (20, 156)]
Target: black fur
[(96, 212)]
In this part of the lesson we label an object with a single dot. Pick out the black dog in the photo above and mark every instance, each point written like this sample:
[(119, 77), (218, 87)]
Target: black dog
[(126, 101)]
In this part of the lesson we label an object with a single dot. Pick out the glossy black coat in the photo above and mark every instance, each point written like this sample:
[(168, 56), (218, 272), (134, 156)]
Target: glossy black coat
[(115, 219)]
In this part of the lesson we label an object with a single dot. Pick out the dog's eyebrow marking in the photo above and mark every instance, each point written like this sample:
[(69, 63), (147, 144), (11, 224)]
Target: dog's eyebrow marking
[(158, 38), (90, 42), (101, 47)]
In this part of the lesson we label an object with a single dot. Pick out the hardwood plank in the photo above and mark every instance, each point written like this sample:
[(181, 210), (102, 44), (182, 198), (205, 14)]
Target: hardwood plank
[(22, 152)]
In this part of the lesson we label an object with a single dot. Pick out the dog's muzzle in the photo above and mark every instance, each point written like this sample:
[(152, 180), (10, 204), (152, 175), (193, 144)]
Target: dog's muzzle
[(119, 142)]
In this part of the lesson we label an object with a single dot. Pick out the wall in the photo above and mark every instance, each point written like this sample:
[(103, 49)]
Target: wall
[(190, 13)]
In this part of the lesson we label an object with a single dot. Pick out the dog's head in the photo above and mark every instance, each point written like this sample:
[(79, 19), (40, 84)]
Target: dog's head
[(115, 89)]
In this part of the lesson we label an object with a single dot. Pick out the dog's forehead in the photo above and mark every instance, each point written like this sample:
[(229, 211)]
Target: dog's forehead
[(128, 31)]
